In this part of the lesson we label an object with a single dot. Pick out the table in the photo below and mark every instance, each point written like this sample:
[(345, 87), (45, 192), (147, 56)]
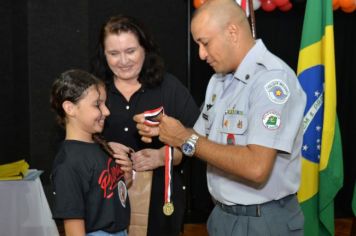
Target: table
[(24, 210)]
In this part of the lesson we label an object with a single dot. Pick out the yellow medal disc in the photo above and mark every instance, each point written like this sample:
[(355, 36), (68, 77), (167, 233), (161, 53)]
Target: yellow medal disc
[(168, 208)]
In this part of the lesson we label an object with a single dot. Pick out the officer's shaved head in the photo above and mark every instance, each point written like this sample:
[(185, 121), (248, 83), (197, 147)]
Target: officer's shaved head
[(221, 13)]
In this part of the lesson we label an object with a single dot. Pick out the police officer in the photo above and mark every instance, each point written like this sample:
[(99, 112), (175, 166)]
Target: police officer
[(250, 129)]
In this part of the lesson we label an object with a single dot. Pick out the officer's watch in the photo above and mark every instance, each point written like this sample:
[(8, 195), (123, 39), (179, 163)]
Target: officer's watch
[(188, 147)]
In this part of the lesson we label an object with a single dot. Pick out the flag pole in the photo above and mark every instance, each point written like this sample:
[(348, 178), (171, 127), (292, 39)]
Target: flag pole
[(252, 18)]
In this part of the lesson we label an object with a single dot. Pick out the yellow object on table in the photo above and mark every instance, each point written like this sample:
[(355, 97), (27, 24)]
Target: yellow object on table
[(13, 171)]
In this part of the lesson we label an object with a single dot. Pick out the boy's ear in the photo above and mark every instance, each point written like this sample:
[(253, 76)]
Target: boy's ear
[(68, 107)]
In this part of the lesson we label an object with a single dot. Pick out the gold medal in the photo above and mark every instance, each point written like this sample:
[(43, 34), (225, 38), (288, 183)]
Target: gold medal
[(168, 208)]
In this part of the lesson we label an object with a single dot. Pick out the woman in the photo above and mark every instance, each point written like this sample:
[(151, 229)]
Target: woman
[(129, 62)]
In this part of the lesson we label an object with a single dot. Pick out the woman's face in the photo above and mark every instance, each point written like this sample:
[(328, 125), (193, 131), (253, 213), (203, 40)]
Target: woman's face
[(124, 55)]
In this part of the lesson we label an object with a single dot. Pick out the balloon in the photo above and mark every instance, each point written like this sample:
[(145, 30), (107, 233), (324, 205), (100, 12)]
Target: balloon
[(336, 4), (280, 3), (286, 7), (346, 3), (257, 4), (268, 5), (349, 9), (198, 3)]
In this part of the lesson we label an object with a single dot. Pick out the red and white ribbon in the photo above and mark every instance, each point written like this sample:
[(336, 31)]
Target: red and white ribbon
[(152, 117), (168, 173)]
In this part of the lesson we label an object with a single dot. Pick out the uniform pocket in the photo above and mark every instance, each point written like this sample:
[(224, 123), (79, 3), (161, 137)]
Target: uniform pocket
[(234, 123), (233, 129)]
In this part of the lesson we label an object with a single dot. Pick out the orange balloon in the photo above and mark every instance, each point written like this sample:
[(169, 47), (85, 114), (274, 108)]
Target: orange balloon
[(349, 9), (336, 4), (346, 3), (198, 3)]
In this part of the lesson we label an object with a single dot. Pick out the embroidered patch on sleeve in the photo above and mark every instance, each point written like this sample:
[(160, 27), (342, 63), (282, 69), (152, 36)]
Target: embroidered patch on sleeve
[(271, 120), (277, 91)]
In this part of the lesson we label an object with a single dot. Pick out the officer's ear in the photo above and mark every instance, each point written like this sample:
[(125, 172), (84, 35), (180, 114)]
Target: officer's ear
[(233, 32)]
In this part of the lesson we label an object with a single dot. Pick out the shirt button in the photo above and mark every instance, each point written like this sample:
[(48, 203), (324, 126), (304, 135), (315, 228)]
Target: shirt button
[(126, 129), (127, 107), (183, 187)]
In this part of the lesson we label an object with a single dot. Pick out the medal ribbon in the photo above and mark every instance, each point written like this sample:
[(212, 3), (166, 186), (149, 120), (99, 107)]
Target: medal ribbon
[(152, 118), (168, 173)]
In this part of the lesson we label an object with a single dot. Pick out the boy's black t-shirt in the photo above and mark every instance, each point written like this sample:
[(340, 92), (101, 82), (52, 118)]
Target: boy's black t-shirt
[(89, 185)]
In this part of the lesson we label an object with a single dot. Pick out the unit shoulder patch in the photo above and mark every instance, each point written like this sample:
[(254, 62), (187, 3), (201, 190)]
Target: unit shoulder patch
[(271, 120), (277, 91)]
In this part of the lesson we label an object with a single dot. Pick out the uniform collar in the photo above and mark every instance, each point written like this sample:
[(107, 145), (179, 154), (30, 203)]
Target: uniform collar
[(248, 65)]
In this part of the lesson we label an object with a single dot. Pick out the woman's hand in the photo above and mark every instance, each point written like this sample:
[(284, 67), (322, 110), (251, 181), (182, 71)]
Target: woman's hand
[(150, 159), (147, 159)]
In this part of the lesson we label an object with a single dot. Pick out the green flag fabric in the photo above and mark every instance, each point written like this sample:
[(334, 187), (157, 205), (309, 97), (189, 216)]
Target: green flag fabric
[(322, 166)]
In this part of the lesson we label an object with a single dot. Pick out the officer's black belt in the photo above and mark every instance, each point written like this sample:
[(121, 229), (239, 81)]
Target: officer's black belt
[(252, 210)]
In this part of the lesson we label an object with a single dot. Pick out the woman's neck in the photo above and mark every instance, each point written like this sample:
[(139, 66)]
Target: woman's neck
[(127, 87)]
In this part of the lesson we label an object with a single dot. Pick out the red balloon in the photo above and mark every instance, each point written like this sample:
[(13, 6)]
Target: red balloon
[(280, 3), (198, 3), (286, 7), (268, 5)]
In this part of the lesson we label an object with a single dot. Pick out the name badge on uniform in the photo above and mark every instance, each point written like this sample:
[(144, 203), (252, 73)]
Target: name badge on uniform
[(209, 117)]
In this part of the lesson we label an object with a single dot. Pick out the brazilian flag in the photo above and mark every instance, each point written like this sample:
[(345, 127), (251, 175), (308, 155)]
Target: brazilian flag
[(322, 167)]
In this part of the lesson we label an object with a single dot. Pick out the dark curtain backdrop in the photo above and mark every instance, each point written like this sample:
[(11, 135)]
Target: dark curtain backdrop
[(41, 39)]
